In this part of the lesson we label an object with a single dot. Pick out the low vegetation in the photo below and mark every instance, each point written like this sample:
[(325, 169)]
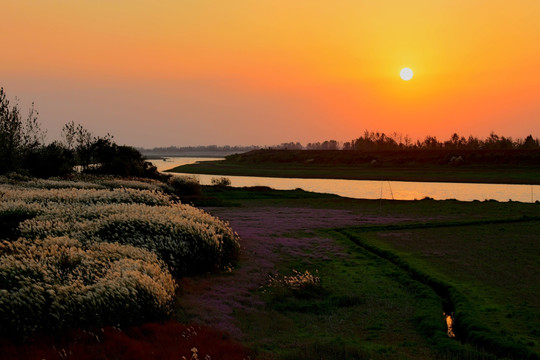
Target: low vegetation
[(221, 181), (381, 291), (94, 253), (298, 284), (185, 186), (485, 276), (57, 283)]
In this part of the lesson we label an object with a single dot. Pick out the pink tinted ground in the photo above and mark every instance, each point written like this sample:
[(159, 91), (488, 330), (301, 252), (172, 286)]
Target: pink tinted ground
[(266, 240)]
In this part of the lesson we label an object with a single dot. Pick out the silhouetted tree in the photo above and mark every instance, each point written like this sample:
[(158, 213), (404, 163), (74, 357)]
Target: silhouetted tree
[(530, 144), (290, 146), (455, 142), (431, 142), (18, 136)]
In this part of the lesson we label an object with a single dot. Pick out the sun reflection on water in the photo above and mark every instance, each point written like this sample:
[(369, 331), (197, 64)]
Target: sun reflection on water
[(450, 324)]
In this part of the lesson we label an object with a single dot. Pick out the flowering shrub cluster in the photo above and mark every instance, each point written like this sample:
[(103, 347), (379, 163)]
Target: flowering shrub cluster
[(83, 196), (189, 240), (298, 283), (85, 182), (142, 184), (57, 283), (84, 257)]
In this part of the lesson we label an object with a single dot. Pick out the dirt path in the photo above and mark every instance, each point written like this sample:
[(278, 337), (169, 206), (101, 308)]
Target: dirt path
[(211, 300)]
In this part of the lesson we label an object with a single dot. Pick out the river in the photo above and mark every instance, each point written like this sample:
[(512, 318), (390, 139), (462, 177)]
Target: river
[(369, 189)]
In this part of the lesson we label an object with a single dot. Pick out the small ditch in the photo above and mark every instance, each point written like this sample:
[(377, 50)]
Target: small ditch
[(489, 344), (441, 291)]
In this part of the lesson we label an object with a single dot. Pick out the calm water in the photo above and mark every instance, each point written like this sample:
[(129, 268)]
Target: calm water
[(367, 189)]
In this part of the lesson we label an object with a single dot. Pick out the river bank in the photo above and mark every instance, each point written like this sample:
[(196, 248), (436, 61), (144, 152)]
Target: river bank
[(366, 189)]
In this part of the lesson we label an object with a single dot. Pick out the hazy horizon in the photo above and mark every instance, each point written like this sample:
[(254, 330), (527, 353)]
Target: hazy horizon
[(262, 73)]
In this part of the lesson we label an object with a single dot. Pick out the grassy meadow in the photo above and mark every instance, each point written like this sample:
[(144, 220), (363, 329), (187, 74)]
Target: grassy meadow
[(381, 293), (493, 266)]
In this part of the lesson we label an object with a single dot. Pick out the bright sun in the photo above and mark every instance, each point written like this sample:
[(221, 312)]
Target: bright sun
[(406, 74)]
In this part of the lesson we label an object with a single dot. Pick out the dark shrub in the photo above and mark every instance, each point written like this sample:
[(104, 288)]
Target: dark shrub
[(185, 186), (121, 160), (51, 160), (222, 181)]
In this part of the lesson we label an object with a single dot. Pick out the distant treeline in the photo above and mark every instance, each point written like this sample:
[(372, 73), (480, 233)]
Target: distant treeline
[(370, 141), (23, 149), (377, 141), (208, 149)]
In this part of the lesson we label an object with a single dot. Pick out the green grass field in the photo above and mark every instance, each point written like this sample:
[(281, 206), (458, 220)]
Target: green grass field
[(383, 295), (494, 266), (364, 311)]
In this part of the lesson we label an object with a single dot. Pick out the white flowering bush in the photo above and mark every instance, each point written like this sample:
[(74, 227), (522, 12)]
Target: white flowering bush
[(86, 182), (57, 283), (89, 196), (85, 256), (146, 184), (189, 240), (186, 238), (52, 183), (12, 213)]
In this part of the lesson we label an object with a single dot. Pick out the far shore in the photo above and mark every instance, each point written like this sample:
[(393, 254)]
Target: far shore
[(463, 166), (507, 174)]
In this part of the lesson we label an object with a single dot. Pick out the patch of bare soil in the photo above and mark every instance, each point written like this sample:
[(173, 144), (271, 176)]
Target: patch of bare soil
[(211, 300)]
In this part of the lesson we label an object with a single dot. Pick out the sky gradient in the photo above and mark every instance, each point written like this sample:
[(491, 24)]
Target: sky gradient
[(242, 72)]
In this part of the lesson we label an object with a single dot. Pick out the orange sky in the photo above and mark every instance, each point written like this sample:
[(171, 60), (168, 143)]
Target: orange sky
[(240, 72)]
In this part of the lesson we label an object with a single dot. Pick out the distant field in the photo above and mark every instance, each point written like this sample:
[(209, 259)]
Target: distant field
[(495, 167)]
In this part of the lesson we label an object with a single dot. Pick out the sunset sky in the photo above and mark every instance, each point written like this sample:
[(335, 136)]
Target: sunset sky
[(242, 72)]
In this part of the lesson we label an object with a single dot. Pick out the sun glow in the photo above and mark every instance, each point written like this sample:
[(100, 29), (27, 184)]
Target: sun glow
[(406, 74), (308, 68)]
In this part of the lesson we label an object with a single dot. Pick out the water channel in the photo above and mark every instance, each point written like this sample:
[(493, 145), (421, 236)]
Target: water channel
[(369, 189)]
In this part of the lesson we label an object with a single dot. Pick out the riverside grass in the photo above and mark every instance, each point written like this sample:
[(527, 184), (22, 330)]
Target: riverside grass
[(372, 305), (98, 254)]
